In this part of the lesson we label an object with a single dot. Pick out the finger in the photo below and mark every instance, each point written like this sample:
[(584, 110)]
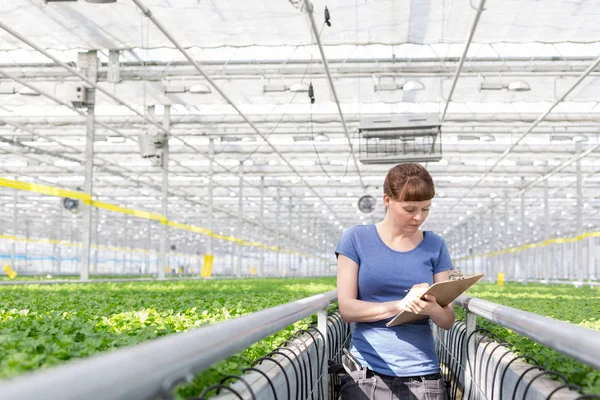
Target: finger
[(421, 304), (430, 298)]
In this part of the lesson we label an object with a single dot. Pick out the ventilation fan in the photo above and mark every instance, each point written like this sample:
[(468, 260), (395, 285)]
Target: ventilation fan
[(366, 204), (70, 204)]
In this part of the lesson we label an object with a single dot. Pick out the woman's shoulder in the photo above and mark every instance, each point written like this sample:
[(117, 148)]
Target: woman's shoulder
[(359, 230), (434, 238)]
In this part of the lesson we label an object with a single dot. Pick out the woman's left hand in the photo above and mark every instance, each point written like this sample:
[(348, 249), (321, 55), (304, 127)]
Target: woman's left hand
[(427, 307)]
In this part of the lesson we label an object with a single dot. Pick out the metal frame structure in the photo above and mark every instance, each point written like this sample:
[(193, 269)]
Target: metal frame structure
[(212, 86)]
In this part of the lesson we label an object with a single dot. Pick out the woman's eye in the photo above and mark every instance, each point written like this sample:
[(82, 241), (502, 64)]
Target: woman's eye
[(409, 209), (426, 209)]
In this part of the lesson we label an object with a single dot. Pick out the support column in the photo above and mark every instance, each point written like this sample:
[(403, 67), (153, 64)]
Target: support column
[(469, 251), (262, 226), (89, 63), (238, 270), (96, 240), (289, 241), (546, 249), (278, 235), (27, 236), (148, 248), (13, 249), (314, 252), (58, 246), (506, 257), (211, 185), (579, 274), (493, 239), (162, 263), (124, 245), (523, 237)]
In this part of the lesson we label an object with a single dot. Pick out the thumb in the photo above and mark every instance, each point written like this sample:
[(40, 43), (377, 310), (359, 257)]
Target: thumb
[(430, 297)]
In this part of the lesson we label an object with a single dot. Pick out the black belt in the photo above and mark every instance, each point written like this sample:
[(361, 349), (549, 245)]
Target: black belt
[(429, 377)]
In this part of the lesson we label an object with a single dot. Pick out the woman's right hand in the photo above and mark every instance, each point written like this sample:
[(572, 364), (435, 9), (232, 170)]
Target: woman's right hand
[(413, 294)]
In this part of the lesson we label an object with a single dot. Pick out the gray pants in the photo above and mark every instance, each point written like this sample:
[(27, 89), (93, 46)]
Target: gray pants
[(365, 385)]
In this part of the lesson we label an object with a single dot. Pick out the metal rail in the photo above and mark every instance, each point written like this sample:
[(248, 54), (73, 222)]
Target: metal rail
[(582, 344), (153, 369)]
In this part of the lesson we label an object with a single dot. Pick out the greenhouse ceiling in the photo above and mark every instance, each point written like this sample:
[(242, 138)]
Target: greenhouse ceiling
[(515, 110)]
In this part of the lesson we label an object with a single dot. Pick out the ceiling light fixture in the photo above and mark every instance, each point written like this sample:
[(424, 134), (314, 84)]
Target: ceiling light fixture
[(299, 87), (321, 137), (579, 138), (115, 139), (518, 86), (7, 90), (482, 138), (230, 139), (271, 87), (514, 86), (411, 86), (559, 138), (25, 91), (200, 88), (487, 138), (182, 86), (388, 83), (302, 138)]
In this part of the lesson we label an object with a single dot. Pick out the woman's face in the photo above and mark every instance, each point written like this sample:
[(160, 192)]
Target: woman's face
[(408, 215)]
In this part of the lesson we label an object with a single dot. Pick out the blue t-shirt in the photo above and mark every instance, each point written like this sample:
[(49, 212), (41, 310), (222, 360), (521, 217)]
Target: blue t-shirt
[(383, 275)]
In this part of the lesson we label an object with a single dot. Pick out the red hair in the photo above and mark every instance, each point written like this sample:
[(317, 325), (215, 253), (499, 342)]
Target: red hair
[(409, 182)]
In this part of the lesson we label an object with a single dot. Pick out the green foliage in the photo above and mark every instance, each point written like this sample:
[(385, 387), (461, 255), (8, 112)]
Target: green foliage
[(579, 306), (44, 325)]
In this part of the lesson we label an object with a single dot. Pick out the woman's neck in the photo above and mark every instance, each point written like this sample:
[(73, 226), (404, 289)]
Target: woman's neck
[(392, 230)]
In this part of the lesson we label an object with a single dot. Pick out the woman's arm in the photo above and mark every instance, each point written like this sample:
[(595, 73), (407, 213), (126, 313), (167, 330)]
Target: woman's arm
[(441, 316), (352, 309)]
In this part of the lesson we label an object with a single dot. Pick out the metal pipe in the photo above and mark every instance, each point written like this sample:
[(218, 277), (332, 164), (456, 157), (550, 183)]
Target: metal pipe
[(546, 255), (531, 127), (86, 79), (94, 85), (150, 370), (104, 125), (343, 73), (523, 237), (211, 183), (164, 229), (13, 247), (579, 216), (237, 271), (571, 340), (289, 238), (262, 225), (60, 238), (278, 233), (148, 14), (313, 24), (478, 121), (91, 71), (568, 60), (463, 57)]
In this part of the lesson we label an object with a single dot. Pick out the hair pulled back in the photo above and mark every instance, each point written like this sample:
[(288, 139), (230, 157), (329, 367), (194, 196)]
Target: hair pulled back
[(409, 182)]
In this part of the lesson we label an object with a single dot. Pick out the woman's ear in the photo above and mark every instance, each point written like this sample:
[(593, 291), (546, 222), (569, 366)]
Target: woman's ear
[(386, 201)]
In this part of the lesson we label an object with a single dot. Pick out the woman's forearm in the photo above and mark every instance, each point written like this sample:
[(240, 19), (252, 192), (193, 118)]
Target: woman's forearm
[(444, 318), (353, 310)]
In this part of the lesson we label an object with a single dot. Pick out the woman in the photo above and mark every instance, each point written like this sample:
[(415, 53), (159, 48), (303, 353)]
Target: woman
[(377, 265)]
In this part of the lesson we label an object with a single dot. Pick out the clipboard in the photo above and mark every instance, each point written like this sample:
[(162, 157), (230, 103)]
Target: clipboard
[(445, 293)]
